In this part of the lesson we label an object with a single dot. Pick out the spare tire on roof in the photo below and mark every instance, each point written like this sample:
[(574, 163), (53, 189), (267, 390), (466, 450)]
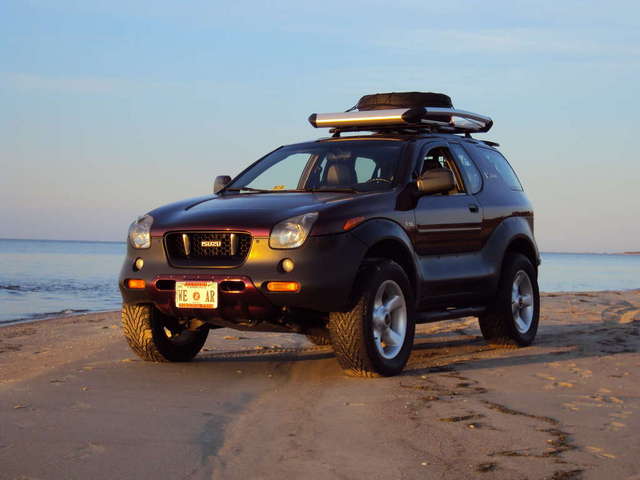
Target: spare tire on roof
[(381, 101)]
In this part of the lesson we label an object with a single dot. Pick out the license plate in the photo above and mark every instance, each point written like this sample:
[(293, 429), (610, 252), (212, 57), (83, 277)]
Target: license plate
[(197, 295)]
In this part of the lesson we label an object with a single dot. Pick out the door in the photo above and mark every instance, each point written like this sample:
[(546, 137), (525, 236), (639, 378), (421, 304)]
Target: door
[(451, 222)]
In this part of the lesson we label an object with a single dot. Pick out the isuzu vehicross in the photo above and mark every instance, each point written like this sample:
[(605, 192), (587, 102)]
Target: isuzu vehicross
[(351, 240)]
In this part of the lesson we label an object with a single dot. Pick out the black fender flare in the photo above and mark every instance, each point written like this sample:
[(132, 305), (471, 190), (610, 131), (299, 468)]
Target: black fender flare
[(513, 233), (379, 231)]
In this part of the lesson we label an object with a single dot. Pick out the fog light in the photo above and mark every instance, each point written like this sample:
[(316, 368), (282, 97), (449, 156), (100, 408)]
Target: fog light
[(287, 265), (283, 286), (135, 283), (138, 264)]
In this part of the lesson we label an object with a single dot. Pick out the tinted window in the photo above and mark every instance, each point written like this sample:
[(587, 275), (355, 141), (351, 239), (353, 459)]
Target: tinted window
[(358, 165), (365, 169), (283, 175), (469, 170), (501, 168), (440, 157)]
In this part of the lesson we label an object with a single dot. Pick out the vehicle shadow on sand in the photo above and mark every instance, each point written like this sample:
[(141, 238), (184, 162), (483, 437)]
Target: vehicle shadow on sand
[(459, 345)]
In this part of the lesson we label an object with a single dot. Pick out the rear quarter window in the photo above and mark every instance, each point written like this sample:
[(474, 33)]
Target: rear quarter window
[(499, 167)]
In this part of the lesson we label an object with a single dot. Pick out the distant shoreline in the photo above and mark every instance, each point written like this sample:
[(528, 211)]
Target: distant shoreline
[(590, 253), (83, 313), (60, 241), (124, 242)]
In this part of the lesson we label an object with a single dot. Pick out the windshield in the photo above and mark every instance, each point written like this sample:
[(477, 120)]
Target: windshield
[(349, 166)]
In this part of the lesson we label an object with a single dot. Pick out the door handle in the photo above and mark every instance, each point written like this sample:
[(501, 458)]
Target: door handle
[(473, 208)]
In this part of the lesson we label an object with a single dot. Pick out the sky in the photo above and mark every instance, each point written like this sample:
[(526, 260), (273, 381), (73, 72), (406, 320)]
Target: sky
[(109, 109)]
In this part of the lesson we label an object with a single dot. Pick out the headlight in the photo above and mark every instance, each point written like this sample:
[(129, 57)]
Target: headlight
[(140, 232), (292, 232)]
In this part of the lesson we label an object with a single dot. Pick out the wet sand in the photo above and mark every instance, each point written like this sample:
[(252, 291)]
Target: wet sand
[(75, 404)]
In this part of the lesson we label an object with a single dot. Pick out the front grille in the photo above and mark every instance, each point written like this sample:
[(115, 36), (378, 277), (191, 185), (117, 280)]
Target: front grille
[(207, 249)]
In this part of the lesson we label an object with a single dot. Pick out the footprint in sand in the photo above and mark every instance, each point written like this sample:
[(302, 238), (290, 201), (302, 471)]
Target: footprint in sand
[(88, 450), (564, 384), (621, 313), (571, 406), (554, 385), (583, 372), (630, 316), (600, 452), (621, 415), (616, 426)]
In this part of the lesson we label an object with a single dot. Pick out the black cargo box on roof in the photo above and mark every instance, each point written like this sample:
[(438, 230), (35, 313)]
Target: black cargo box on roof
[(403, 111), (381, 101)]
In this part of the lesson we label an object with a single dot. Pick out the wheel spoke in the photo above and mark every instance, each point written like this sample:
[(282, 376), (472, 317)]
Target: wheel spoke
[(393, 303), (393, 338), (526, 300), (378, 318), (518, 280), (514, 307), (378, 342)]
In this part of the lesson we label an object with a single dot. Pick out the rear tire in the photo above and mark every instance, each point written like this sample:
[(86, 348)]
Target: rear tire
[(512, 319), (376, 336), (155, 337)]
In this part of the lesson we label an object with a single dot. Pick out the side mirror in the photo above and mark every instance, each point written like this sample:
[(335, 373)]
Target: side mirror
[(438, 180), (221, 182)]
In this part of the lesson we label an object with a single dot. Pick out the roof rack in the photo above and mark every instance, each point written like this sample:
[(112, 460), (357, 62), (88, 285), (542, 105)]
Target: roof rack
[(404, 120)]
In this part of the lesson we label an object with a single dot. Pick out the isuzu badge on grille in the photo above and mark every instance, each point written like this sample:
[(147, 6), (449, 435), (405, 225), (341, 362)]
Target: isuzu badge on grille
[(211, 243)]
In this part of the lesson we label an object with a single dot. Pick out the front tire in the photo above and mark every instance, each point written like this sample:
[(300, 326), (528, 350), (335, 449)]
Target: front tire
[(155, 337), (512, 319), (376, 336), (320, 337)]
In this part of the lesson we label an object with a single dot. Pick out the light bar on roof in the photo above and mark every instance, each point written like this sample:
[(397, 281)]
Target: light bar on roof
[(442, 119), (396, 116)]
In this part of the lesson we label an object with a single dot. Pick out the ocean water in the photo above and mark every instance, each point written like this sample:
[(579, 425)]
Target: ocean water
[(42, 278), (582, 272)]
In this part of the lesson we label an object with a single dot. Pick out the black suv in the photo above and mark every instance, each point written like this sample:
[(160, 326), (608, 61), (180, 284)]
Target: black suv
[(351, 240)]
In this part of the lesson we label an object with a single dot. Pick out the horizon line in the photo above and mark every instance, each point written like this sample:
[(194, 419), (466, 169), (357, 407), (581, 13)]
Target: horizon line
[(629, 252)]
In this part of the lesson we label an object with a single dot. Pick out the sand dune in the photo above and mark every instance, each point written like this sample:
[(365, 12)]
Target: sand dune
[(75, 403)]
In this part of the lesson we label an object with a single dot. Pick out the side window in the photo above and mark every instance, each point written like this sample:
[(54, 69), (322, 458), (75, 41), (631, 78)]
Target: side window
[(440, 157), (365, 168), (469, 170), (501, 168)]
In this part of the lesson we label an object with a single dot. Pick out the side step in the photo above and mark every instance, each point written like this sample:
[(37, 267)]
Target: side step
[(438, 315)]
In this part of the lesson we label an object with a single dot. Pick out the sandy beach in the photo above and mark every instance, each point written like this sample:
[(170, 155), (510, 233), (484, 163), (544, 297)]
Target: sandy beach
[(76, 404)]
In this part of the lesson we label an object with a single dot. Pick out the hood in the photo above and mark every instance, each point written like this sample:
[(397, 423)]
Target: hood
[(255, 212)]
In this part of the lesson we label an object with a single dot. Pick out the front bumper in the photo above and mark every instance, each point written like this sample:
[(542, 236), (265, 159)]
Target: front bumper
[(325, 266)]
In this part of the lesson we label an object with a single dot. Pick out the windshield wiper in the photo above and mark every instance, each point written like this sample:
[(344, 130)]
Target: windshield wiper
[(247, 189), (333, 189), (314, 190), (260, 190)]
